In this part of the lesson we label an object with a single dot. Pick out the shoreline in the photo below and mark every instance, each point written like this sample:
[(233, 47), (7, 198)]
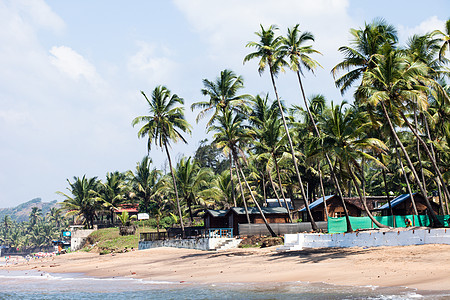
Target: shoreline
[(424, 267)]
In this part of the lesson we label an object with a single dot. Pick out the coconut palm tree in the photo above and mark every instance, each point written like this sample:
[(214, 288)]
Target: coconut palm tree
[(269, 54), (390, 84), (220, 191), (191, 180), (144, 183), (54, 216), (358, 57), (113, 191), (230, 132), (164, 124), (223, 95), (344, 136), (230, 135), (83, 202), (35, 216), (299, 57)]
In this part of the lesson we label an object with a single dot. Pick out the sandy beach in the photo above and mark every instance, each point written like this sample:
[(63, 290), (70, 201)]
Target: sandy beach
[(423, 267)]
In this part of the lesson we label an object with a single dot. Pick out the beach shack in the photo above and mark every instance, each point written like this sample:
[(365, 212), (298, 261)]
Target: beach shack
[(236, 216), (275, 203), (132, 209), (215, 218), (335, 209), (402, 205)]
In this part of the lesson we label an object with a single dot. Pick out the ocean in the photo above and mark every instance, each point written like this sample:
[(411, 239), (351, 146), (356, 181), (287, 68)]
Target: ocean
[(39, 285)]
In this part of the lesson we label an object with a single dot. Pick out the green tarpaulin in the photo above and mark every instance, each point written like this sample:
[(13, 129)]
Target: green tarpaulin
[(336, 225)]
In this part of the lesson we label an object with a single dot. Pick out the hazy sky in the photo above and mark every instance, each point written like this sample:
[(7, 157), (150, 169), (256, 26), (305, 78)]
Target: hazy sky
[(71, 73)]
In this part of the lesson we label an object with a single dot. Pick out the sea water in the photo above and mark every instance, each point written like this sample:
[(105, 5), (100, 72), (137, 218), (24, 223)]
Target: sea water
[(39, 285)]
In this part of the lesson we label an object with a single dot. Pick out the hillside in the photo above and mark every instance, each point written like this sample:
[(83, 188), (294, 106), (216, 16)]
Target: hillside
[(21, 212)]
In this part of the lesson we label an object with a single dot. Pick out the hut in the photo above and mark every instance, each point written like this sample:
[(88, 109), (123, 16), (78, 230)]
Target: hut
[(335, 209), (275, 203), (402, 205), (236, 216), (215, 218)]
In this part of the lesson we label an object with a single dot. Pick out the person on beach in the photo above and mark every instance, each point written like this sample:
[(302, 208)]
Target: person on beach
[(408, 222)]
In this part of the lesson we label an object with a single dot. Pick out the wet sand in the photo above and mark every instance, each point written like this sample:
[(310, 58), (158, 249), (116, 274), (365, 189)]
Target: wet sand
[(425, 267)]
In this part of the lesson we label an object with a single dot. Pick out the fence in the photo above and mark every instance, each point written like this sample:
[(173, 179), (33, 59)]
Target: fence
[(338, 225), (278, 228), (189, 232)]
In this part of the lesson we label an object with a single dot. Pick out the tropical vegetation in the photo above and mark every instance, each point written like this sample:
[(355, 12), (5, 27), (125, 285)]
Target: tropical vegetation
[(393, 137)]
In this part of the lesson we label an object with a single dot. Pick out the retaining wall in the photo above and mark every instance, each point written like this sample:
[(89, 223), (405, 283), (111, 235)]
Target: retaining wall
[(198, 243), (368, 239), (78, 237)]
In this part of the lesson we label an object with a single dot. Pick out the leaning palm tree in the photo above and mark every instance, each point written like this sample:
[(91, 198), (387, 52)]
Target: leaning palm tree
[(299, 59), (230, 135), (344, 136), (389, 84), (269, 54), (165, 123)]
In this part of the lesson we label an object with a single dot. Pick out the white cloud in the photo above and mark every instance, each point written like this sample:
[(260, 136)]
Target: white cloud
[(73, 64), (42, 14), (426, 26), (152, 63), (227, 26)]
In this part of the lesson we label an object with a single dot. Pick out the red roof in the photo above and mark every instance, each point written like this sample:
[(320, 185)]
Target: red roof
[(130, 210)]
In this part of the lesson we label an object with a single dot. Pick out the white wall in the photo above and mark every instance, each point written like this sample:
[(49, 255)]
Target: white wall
[(78, 237), (367, 239), (199, 243)]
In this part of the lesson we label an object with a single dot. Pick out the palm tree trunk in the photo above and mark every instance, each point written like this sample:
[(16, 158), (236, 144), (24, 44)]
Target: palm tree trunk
[(231, 180), (362, 197), (238, 166), (291, 146), (323, 194), (274, 189), (430, 156), (176, 190), (386, 190), (191, 217), (441, 203), (406, 180), (418, 152), (242, 189), (333, 174), (264, 187), (435, 221), (281, 188), (442, 199)]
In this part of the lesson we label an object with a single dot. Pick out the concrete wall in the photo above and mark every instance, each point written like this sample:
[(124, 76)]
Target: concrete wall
[(278, 228), (198, 243), (78, 237), (367, 239)]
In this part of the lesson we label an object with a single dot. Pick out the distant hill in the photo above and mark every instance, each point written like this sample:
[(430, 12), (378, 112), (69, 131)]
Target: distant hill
[(21, 212)]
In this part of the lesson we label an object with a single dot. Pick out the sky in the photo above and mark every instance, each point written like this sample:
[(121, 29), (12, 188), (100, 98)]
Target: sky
[(71, 73)]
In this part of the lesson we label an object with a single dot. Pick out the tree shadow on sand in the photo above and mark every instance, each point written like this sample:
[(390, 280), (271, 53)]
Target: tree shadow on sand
[(317, 255), (304, 256)]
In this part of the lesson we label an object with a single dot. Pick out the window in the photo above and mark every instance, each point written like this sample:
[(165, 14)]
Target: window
[(339, 214)]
